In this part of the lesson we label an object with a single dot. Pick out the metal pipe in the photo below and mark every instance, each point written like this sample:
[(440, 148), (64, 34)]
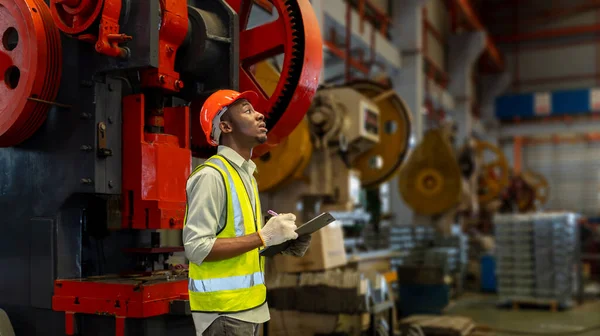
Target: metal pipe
[(517, 148), (332, 48), (554, 79), (429, 27)]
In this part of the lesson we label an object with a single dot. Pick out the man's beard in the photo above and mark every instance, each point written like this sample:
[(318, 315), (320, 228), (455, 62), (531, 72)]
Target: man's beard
[(261, 139)]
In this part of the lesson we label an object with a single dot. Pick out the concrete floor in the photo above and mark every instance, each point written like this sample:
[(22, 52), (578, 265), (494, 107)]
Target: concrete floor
[(583, 320)]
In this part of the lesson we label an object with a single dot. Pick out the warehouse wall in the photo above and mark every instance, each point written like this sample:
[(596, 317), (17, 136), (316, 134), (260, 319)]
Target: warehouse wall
[(573, 173), (550, 64)]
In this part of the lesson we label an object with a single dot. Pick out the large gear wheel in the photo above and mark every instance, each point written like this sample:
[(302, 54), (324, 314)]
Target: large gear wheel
[(380, 163), (30, 68), (494, 176), (296, 35)]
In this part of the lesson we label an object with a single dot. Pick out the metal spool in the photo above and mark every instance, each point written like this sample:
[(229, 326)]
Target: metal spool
[(30, 66), (494, 175), (381, 162), (430, 181)]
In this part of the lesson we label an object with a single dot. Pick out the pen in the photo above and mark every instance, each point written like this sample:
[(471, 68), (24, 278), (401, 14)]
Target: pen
[(272, 213)]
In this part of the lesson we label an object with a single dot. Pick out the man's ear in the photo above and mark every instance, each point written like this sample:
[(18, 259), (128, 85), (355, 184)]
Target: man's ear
[(225, 127)]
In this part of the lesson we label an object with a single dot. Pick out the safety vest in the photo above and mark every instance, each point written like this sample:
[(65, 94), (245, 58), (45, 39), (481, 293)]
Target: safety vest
[(235, 284)]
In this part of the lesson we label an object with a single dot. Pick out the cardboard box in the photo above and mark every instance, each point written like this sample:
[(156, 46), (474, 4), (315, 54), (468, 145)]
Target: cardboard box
[(326, 251)]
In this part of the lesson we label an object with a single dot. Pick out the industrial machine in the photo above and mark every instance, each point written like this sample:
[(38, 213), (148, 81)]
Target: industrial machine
[(355, 136), (99, 106), (494, 174), (527, 191), (436, 179)]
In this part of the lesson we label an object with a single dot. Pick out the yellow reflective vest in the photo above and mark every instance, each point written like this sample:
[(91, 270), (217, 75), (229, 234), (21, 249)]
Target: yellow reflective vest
[(235, 284)]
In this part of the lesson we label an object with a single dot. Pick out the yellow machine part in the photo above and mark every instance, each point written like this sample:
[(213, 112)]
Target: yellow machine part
[(288, 160), (381, 162), (494, 176), (430, 180), (539, 183)]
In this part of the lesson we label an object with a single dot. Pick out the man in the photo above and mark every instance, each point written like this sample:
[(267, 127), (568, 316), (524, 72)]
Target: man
[(223, 230)]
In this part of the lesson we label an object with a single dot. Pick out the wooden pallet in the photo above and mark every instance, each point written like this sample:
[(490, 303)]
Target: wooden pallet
[(551, 304)]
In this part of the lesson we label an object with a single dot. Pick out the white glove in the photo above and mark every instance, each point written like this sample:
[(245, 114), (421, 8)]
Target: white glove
[(279, 229)]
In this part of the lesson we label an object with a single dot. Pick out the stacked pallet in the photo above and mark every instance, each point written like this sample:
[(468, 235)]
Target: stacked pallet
[(423, 247), (536, 257)]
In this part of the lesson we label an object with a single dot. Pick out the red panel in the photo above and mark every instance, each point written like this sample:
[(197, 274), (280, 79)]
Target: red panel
[(155, 168)]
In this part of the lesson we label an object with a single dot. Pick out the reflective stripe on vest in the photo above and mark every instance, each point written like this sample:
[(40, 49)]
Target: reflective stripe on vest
[(233, 194), (220, 284), (234, 284)]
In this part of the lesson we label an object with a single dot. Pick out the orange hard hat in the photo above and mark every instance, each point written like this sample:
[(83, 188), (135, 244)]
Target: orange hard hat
[(215, 106)]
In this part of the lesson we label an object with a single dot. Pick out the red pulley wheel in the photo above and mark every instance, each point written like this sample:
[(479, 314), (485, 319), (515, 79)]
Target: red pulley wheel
[(75, 16), (295, 34), (30, 68)]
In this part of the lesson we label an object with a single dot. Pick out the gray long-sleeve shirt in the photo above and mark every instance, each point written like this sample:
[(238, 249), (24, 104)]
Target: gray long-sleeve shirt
[(206, 216)]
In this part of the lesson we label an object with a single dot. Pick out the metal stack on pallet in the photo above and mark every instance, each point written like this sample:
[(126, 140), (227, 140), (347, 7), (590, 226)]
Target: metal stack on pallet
[(414, 240), (376, 239), (456, 247), (536, 257), (424, 247)]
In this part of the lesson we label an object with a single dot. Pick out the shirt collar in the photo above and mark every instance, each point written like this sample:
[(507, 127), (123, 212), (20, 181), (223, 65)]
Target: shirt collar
[(236, 158)]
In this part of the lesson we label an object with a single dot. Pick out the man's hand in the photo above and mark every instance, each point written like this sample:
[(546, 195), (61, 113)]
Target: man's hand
[(298, 247), (279, 229)]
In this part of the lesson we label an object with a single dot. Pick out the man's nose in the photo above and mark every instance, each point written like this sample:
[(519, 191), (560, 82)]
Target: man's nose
[(260, 116)]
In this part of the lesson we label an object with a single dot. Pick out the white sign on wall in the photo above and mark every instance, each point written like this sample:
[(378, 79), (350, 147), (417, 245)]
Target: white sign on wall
[(542, 104), (595, 100)]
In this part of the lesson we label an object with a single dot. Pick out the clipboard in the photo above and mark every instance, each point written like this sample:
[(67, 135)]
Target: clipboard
[(307, 228)]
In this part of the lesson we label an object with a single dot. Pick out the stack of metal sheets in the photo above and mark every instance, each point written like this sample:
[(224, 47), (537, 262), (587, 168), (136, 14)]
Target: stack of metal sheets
[(414, 240), (536, 256), (424, 247)]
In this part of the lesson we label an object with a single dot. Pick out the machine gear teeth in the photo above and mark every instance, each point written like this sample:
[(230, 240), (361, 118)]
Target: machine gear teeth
[(301, 43)]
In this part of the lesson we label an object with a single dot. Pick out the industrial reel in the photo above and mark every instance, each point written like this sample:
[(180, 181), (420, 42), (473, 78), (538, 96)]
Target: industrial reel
[(430, 181), (494, 173)]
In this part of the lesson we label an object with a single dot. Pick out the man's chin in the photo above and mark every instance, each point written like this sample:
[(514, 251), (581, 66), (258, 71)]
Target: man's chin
[(261, 139)]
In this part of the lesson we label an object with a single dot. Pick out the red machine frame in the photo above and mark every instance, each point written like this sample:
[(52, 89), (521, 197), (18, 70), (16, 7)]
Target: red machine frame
[(121, 298)]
